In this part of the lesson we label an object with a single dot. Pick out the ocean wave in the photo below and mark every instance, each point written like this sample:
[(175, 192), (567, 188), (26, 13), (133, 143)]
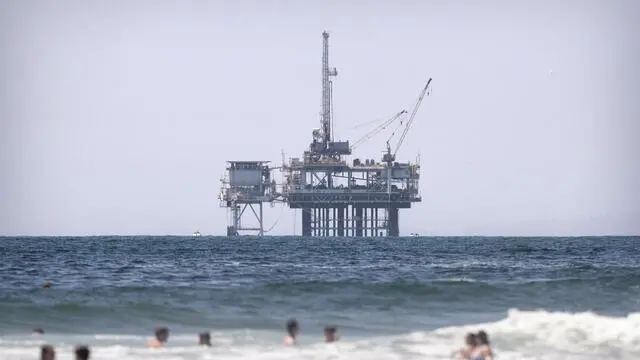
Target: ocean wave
[(544, 334), (257, 305), (520, 335)]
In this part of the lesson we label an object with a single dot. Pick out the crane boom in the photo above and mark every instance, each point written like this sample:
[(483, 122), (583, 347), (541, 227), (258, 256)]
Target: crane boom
[(413, 115), (377, 129)]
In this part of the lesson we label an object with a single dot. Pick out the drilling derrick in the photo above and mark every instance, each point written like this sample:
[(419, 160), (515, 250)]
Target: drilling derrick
[(323, 146), (326, 89)]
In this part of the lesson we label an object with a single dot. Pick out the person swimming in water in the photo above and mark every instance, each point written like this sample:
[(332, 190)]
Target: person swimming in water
[(204, 339), (292, 328), (483, 351), (82, 352), (471, 344), (47, 352), (37, 331), (162, 335), (330, 334)]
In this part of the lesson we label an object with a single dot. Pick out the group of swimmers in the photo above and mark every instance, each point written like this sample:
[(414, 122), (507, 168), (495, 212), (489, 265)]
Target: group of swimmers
[(48, 353), (477, 347), (292, 329)]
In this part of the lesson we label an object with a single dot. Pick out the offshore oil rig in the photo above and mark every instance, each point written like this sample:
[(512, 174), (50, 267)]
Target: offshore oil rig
[(336, 198)]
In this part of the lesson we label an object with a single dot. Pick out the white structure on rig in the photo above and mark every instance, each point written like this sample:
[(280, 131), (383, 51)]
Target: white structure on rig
[(246, 186)]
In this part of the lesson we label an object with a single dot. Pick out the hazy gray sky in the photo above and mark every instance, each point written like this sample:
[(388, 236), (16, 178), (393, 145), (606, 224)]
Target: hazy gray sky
[(117, 116)]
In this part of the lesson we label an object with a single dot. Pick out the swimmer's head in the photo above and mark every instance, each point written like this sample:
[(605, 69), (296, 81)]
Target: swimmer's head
[(46, 285), (330, 333), (471, 340), (162, 334), (37, 331), (82, 352), (292, 327), (47, 352), (205, 339), (483, 338)]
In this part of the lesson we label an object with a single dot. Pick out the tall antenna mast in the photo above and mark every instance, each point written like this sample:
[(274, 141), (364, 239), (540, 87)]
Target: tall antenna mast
[(326, 90)]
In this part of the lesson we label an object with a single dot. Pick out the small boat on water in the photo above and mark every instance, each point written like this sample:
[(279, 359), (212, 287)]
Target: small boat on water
[(415, 234), (197, 234)]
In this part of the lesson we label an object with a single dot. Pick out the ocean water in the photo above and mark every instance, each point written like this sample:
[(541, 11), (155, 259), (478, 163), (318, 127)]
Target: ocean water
[(406, 298)]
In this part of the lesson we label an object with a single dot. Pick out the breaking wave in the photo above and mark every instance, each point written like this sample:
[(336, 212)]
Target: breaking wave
[(521, 335)]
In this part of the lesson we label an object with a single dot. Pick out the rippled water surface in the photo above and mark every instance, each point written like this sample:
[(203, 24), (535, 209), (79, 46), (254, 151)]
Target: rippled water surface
[(390, 298)]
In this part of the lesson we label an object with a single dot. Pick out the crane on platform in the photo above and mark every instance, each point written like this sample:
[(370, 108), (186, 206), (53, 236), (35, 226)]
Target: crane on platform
[(389, 157), (373, 132)]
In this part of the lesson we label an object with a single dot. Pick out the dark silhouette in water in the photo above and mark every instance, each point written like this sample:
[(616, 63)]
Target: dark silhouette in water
[(47, 352), (162, 335), (330, 334), (82, 352), (204, 339), (293, 328), (484, 345), (471, 342)]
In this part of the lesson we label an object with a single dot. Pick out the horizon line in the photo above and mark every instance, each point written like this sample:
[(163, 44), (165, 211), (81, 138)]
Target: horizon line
[(319, 237)]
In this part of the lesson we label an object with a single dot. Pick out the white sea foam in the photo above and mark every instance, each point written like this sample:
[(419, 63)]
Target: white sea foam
[(521, 335)]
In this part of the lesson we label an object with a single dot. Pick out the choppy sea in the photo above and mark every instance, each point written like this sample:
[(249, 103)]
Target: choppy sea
[(405, 298)]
